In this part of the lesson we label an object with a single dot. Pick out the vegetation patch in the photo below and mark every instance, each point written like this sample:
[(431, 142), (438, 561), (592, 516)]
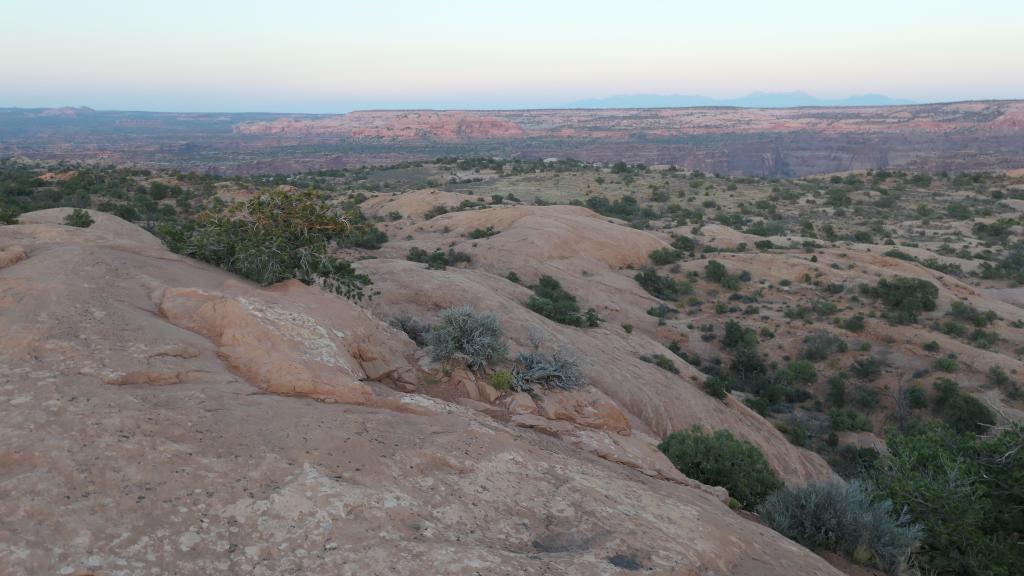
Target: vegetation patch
[(462, 334), (274, 236), (905, 298), (79, 219), (721, 459), (845, 518), (552, 301)]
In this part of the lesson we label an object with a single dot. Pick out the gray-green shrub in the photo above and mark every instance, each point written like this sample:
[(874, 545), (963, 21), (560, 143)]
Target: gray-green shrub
[(844, 518), (559, 370), (416, 331), (463, 334)]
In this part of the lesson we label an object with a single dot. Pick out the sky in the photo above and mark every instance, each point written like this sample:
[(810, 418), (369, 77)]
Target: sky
[(335, 56)]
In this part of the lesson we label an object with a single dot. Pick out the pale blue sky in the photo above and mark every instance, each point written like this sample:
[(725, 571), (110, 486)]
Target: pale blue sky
[(324, 56)]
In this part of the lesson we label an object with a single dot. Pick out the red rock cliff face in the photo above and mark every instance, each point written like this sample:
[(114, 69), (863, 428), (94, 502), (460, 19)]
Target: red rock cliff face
[(412, 125), (454, 126)]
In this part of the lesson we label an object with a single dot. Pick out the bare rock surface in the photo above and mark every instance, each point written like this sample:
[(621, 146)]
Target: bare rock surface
[(412, 205), (142, 431)]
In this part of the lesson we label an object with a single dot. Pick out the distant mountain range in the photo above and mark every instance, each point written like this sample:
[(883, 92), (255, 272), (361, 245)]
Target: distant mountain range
[(755, 100)]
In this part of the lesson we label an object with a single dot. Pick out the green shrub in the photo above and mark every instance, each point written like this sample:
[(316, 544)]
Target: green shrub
[(736, 336), (275, 236), (661, 361), (998, 377), (851, 462), (478, 233), (1011, 266), (968, 313), (906, 298), (435, 211), (847, 519), (915, 396), (821, 345), (749, 372), (500, 380), (720, 459), (822, 308), (836, 393), (661, 311), (416, 331), (463, 334), (802, 372), (854, 323), (844, 419), (716, 272), (438, 259), (663, 256), (863, 236), (966, 491), (717, 387), (79, 219), (866, 397), (946, 364), (665, 363), (8, 215), (659, 286), (552, 301), (684, 244), (961, 411), (796, 433), (866, 368)]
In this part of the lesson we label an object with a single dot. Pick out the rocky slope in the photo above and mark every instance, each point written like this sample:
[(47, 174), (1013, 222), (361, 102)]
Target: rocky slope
[(595, 259), (160, 416), (586, 253)]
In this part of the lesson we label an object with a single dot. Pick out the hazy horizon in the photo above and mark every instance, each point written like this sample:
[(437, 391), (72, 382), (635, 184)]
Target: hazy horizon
[(315, 56), (613, 101)]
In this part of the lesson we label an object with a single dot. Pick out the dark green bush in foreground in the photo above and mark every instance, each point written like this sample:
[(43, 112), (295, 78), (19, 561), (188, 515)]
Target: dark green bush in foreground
[(272, 237), (721, 459), (961, 411), (662, 287), (79, 218), (966, 491), (663, 256), (906, 298), (552, 301), (438, 259)]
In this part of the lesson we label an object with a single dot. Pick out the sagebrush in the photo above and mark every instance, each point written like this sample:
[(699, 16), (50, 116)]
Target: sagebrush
[(844, 518), (464, 334)]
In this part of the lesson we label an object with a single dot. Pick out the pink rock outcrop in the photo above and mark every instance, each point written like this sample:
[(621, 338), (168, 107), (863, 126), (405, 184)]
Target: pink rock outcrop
[(141, 435)]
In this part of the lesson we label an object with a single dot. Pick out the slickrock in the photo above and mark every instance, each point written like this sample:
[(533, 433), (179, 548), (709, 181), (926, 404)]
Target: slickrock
[(214, 472)]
